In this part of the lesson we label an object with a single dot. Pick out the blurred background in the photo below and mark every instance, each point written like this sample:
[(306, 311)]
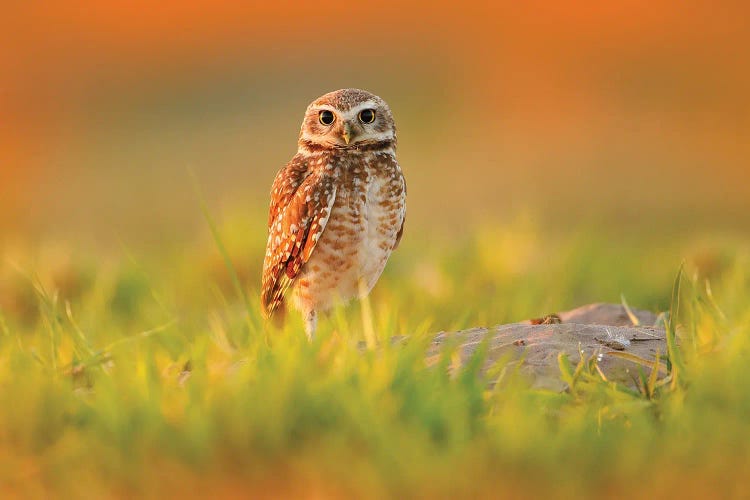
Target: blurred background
[(630, 113)]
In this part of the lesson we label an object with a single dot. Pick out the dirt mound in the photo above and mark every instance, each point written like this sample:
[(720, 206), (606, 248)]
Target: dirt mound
[(605, 332)]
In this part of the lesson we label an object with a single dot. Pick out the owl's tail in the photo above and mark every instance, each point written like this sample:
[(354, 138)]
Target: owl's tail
[(277, 315)]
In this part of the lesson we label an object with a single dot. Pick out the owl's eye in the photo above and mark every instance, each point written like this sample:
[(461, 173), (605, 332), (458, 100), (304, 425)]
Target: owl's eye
[(367, 115), (326, 117)]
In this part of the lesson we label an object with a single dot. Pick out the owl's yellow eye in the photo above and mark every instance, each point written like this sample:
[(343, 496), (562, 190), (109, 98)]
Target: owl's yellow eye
[(367, 115), (326, 117)]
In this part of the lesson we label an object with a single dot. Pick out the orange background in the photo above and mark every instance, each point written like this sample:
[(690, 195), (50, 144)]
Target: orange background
[(634, 110)]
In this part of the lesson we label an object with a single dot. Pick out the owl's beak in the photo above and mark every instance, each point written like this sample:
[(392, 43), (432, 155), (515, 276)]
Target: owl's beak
[(347, 133)]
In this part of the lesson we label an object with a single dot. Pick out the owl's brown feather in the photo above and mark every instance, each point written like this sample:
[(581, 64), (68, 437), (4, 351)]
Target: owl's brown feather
[(285, 184), (300, 207)]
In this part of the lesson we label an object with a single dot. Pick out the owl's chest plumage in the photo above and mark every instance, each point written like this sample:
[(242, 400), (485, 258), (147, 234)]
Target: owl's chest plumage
[(361, 232)]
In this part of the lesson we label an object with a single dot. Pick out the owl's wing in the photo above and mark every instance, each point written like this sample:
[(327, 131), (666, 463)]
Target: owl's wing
[(299, 214), (399, 234), (286, 183), (403, 220)]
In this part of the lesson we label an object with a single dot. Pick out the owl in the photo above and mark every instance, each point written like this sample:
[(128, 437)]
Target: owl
[(337, 208)]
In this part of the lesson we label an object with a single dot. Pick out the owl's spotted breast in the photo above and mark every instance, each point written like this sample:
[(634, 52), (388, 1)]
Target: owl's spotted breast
[(362, 231)]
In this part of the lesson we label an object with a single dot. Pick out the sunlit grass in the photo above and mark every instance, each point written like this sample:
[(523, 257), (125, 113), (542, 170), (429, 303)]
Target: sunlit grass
[(131, 374)]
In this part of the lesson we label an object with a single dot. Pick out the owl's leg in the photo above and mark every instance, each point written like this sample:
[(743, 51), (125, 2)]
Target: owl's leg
[(311, 323)]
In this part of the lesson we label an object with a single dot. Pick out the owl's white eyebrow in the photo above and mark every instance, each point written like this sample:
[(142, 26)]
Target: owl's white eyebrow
[(355, 110), (323, 107), (364, 105), (352, 113)]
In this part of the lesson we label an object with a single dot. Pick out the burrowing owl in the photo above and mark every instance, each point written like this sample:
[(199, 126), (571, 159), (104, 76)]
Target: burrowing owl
[(337, 208)]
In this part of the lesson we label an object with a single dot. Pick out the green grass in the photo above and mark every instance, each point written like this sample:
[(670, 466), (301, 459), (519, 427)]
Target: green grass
[(125, 374)]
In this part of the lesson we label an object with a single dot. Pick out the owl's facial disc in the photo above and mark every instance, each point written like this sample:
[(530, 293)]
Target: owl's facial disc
[(333, 124), (337, 128)]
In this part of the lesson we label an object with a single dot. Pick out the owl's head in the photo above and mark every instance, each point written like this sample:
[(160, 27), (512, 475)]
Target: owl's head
[(348, 119)]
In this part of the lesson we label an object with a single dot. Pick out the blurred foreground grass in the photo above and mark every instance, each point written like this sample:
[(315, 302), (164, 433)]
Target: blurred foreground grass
[(127, 375)]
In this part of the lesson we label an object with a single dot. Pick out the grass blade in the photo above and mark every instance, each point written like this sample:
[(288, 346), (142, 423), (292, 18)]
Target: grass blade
[(653, 378), (566, 371), (633, 318), (673, 352), (635, 359), (234, 276)]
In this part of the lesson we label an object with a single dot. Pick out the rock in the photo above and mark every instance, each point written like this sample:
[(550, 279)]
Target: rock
[(603, 331)]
